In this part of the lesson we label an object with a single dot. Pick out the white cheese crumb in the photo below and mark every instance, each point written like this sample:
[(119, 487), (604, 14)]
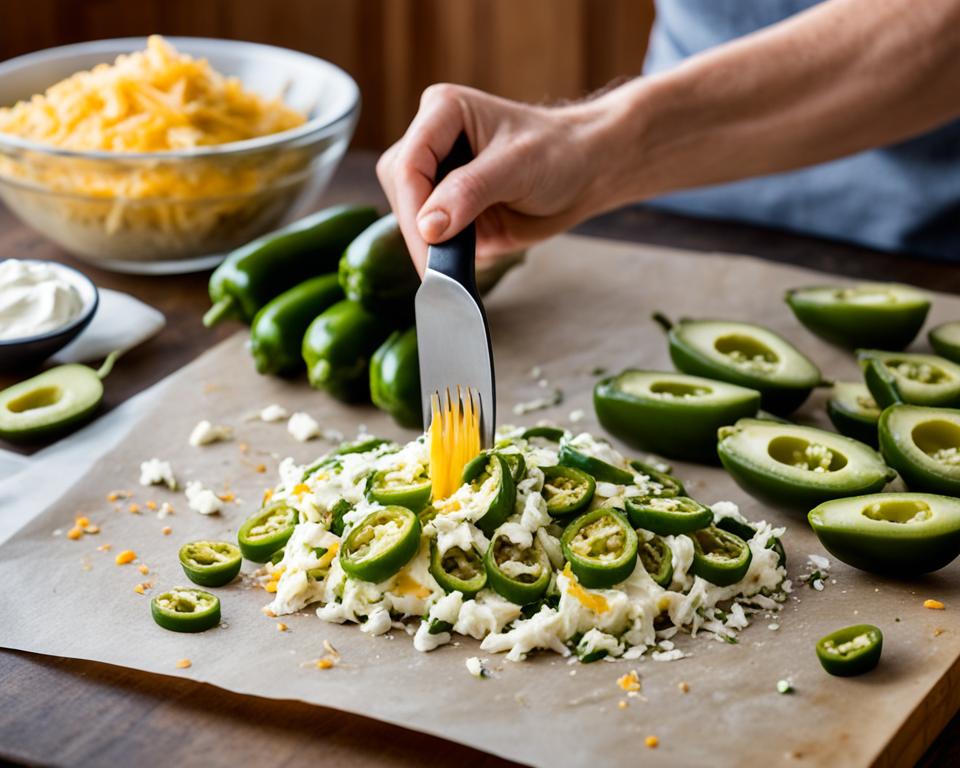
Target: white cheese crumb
[(201, 499), (157, 472), (273, 412), (303, 427), (673, 655), (773, 627), (819, 561), (784, 686), (165, 510), (475, 667), (205, 433), (576, 415)]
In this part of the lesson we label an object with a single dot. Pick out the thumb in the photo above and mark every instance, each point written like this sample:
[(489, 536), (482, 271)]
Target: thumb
[(464, 194)]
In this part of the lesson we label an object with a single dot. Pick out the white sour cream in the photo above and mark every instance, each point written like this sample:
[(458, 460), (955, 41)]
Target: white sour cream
[(34, 298)]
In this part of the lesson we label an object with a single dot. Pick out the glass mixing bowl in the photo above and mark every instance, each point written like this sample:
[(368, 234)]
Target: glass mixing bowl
[(227, 194)]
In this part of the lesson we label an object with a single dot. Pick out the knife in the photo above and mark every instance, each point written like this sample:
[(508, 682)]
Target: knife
[(453, 339)]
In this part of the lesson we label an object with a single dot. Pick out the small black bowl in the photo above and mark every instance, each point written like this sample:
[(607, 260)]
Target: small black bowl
[(33, 350)]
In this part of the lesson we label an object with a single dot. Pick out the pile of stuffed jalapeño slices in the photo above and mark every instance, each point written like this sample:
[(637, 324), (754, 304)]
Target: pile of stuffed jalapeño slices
[(553, 541)]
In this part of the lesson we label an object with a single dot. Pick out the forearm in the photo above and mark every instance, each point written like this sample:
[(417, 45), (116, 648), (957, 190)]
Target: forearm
[(846, 76)]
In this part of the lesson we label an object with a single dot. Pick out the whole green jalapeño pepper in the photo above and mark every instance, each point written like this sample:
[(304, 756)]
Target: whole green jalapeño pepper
[(381, 544), (185, 609), (520, 574), (266, 531), (256, 272), (489, 474), (210, 563), (657, 560), (376, 269), (851, 651), (395, 379), (566, 490), (601, 548), (719, 557), (458, 571), (414, 495), (668, 516), (337, 348), (276, 333)]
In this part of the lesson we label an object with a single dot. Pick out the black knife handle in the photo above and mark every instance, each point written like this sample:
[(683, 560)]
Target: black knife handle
[(456, 257)]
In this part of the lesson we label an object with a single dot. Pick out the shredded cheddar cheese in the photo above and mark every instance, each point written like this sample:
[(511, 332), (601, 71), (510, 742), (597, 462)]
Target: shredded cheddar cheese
[(407, 585), (589, 600), (935, 605), (127, 556), (630, 682), (454, 441)]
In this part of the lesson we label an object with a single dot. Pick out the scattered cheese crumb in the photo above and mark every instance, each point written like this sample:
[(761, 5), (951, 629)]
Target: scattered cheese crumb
[(227, 496), (139, 589), (622, 704), (475, 667), (784, 686), (630, 682), (152, 506), (93, 529), (938, 631), (166, 530), (134, 509), (74, 533), (201, 499), (157, 472), (281, 627), (684, 687), (120, 495), (165, 509), (325, 663), (206, 433), (652, 742), (273, 412), (82, 522), (127, 556), (184, 664), (143, 569), (576, 415), (303, 427), (261, 468), (935, 605), (105, 547)]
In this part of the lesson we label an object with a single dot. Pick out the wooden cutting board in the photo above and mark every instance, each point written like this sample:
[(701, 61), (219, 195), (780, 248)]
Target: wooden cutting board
[(576, 305)]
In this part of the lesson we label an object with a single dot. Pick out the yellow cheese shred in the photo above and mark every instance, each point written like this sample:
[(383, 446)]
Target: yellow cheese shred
[(589, 600), (454, 441)]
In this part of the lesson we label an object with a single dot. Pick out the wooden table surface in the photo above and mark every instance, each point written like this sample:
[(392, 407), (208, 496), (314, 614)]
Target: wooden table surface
[(67, 712)]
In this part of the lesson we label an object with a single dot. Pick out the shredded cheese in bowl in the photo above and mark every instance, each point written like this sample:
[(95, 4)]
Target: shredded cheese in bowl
[(131, 161)]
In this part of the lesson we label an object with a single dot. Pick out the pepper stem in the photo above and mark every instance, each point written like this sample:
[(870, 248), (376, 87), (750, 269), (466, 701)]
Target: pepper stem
[(218, 311), (662, 320), (104, 370)]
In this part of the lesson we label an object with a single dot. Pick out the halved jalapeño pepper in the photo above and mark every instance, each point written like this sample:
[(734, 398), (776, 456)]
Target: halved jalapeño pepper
[(266, 531), (719, 557), (866, 315), (185, 609), (917, 379), (669, 486), (210, 563), (551, 434), (458, 571), (381, 544), (566, 490), (520, 574), (657, 560), (854, 412), (601, 548), (851, 651), (746, 532), (489, 475), (945, 340), (668, 516), (413, 495), (574, 456), (923, 445)]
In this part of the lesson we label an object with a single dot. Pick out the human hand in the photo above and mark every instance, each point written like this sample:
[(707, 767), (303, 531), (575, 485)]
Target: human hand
[(534, 174)]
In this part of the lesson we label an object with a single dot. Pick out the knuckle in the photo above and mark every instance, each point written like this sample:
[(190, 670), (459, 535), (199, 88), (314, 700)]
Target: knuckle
[(439, 92)]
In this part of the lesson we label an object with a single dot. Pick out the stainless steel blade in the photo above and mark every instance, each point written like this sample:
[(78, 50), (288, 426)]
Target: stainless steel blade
[(453, 344)]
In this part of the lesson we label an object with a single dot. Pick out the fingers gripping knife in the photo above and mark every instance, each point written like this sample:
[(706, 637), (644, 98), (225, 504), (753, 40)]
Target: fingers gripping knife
[(456, 359)]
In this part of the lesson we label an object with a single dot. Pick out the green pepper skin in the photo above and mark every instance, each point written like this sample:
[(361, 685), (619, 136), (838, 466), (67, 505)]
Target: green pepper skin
[(513, 589), (668, 516), (381, 566), (678, 427), (567, 490), (506, 496), (204, 613), (895, 534), (671, 486), (945, 340), (210, 563), (276, 333), (757, 456), (601, 470), (855, 661), (834, 314), (854, 412), (881, 383), (910, 435), (395, 379), (377, 271), (746, 532), (887, 377), (337, 348), (657, 560), (552, 434), (254, 273), (414, 497), (260, 546), (591, 572), (451, 582), (720, 557)]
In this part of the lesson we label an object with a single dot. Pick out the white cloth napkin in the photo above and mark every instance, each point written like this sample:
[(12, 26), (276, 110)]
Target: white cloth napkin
[(121, 323)]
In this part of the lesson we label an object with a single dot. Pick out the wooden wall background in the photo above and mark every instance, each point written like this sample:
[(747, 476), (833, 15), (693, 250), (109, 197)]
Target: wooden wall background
[(534, 50)]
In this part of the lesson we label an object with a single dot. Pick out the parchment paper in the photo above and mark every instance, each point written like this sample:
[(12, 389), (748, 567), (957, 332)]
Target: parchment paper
[(576, 305)]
